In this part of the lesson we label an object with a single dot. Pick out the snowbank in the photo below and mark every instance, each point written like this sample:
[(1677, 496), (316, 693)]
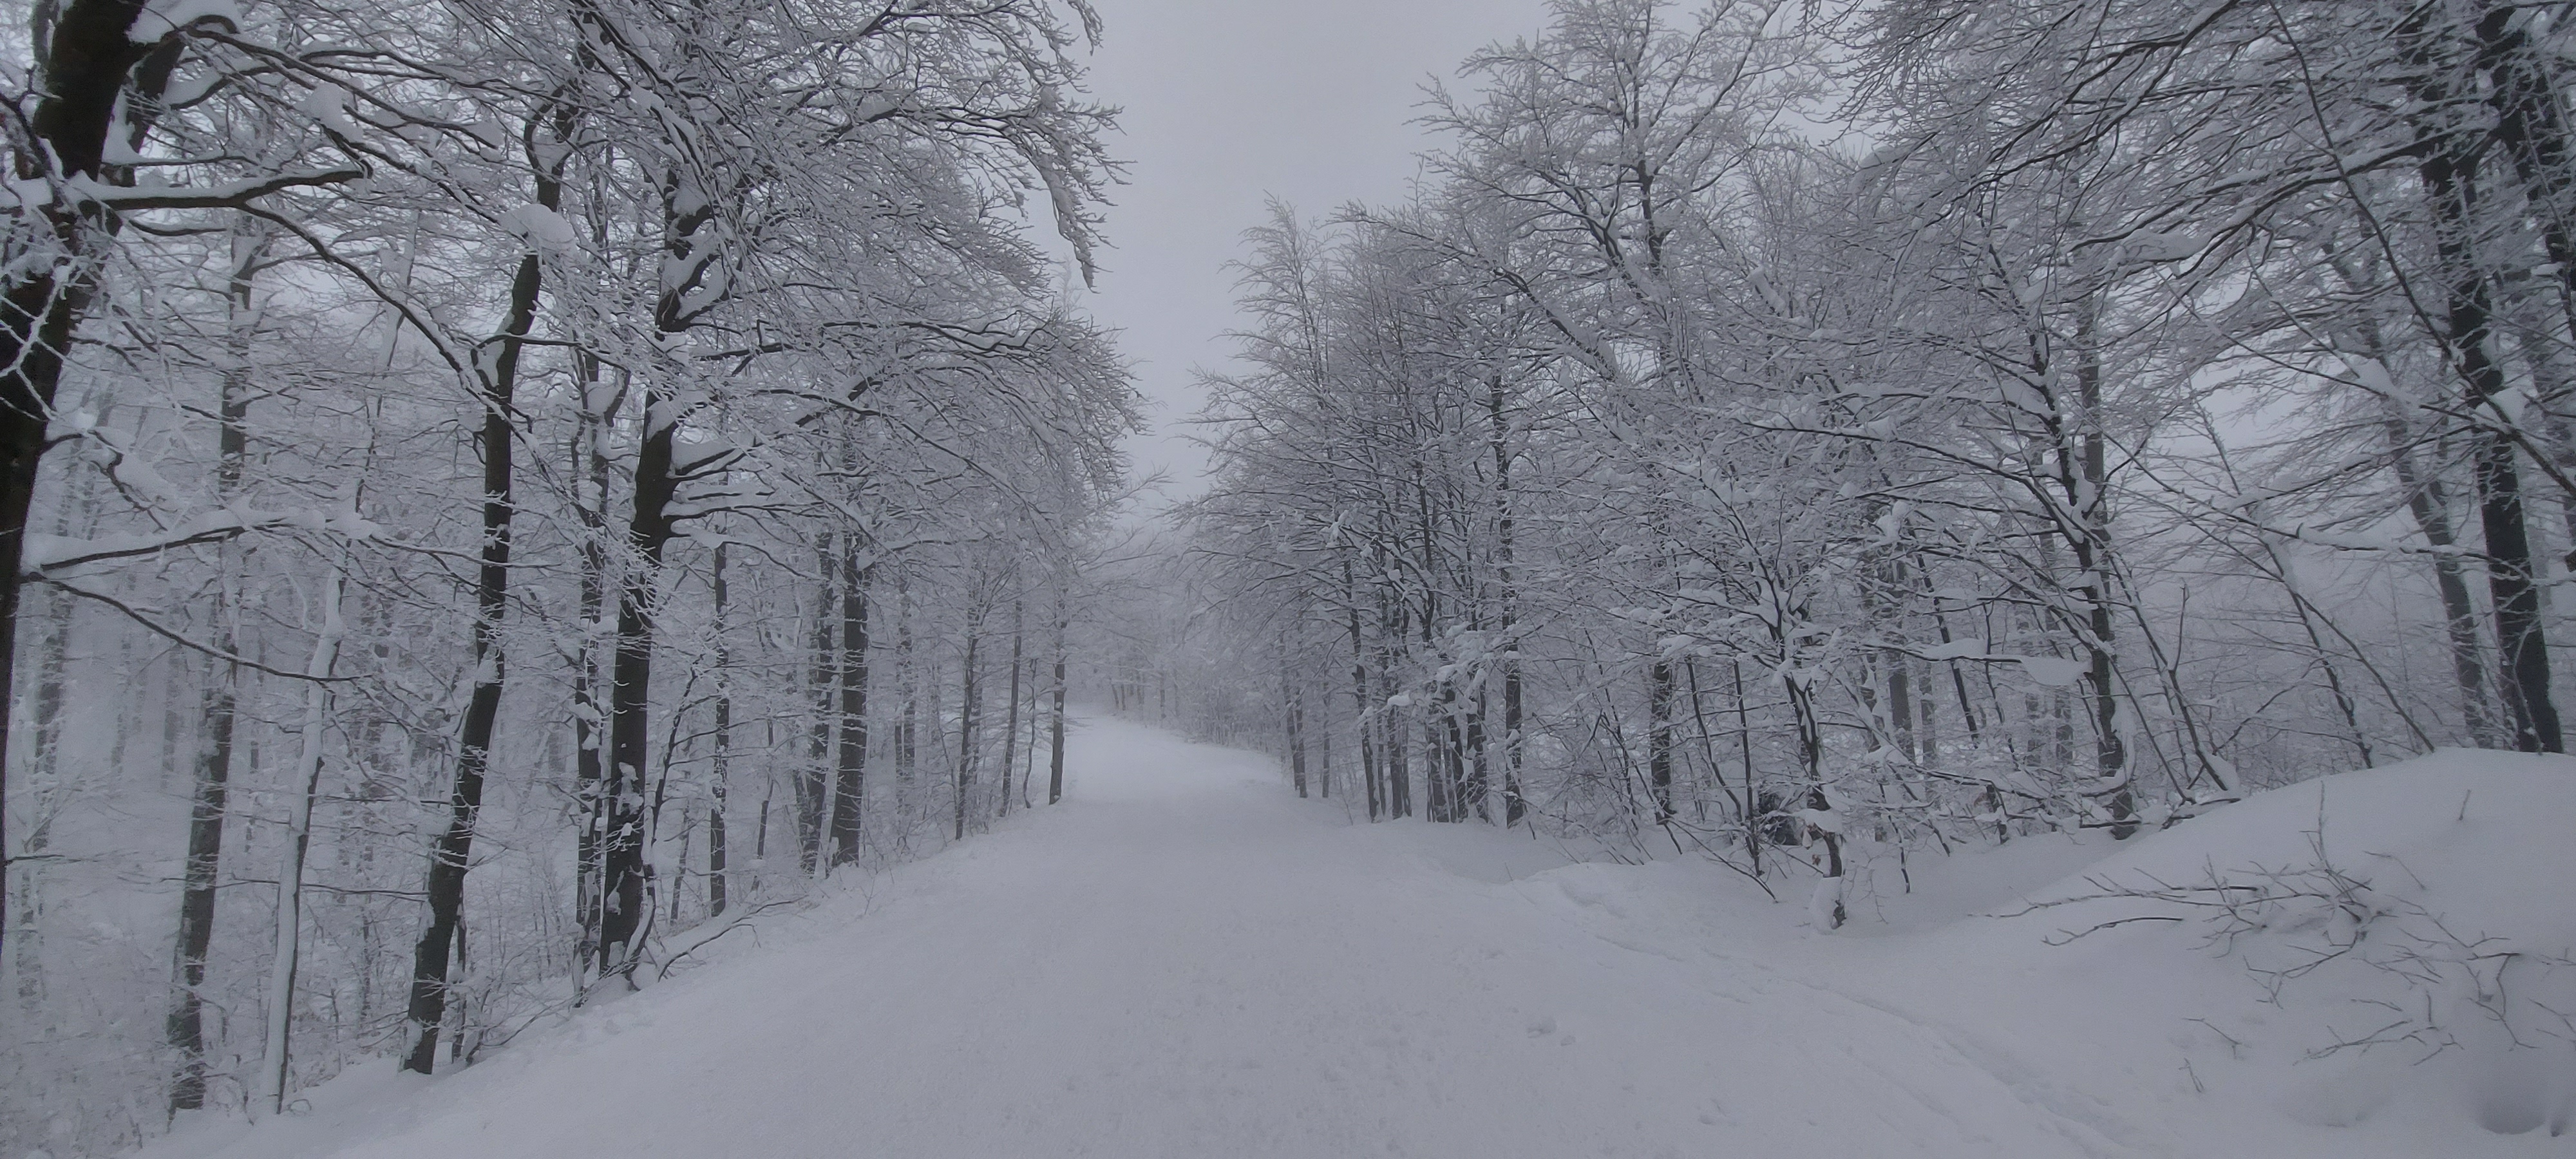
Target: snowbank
[(2391, 949)]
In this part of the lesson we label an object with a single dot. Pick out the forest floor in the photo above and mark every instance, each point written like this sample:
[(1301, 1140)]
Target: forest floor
[(1185, 960)]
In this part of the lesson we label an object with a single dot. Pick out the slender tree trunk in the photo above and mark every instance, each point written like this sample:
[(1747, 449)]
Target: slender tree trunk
[(1659, 735), (1055, 754), (302, 787), (2088, 496), (1011, 717), (1363, 721), (1752, 806), (590, 470), (814, 781), (908, 676), (1900, 674), (1508, 610), (966, 722), (450, 856), (623, 884), (1474, 800), (849, 791), (1324, 750), (186, 1027), (1811, 746), (720, 761), (625, 878), (1399, 778), (1292, 717)]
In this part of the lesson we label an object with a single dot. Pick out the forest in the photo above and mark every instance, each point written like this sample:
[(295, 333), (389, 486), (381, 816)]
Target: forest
[(488, 483), (504, 495), (1915, 425)]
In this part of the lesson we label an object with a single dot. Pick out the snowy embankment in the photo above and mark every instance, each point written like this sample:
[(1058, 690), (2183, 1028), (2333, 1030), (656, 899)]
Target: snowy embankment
[(1185, 960), (2391, 951)]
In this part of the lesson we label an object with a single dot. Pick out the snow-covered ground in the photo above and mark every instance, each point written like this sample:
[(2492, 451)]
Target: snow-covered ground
[(1185, 960)]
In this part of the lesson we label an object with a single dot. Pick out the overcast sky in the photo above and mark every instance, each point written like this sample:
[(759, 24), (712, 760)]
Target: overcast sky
[(1228, 101)]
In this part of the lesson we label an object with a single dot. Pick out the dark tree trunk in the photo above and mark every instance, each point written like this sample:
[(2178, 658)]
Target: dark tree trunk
[(1296, 721), (2467, 330), (623, 873), (186, 1027), (1900, 702), (688, 211), (1011, 718), (1659, 736), (1811, 749), (1055, 754), (1399, 777), (449, 856), (2087, 485), (720, 763), (967, 704), (850, 782), (1514, 808), (907, 675), (1752, 803), (814, 781), (1324, 751), (1363, 722)]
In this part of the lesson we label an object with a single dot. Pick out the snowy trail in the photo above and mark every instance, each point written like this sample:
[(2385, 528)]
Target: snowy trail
[(1184, 960)]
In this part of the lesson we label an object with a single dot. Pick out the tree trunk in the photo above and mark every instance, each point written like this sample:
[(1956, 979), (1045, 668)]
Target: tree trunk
[(2467, 330), (850, 784), (623, 872), (1811, 747), (1011, 718), (720, 763), (451, 855), (2083, 473), (1055, 755), (1363, 721), (1399, 778), (1292, 716), (908, 677), (813, 782), (966, 722), (186, 1028), (1659, 735), (301, 789), (590, 466)]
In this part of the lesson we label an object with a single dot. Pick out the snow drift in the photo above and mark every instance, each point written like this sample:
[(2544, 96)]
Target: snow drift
[(2392, 948)]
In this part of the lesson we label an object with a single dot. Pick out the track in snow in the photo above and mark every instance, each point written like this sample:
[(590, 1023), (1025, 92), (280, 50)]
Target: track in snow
[(1184, 960)]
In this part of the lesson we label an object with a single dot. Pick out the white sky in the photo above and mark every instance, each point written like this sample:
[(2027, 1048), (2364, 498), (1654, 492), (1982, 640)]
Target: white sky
[(1231, 100)]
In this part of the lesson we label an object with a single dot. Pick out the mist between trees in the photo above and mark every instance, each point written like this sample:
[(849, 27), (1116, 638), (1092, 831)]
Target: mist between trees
[(1888, 427), (535, 480)]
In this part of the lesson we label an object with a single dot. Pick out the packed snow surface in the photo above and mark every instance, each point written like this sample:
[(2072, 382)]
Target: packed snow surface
[(1183, 959)]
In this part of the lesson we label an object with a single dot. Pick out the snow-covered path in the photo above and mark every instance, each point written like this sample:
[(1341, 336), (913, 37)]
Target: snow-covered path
[(1185, 960)]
